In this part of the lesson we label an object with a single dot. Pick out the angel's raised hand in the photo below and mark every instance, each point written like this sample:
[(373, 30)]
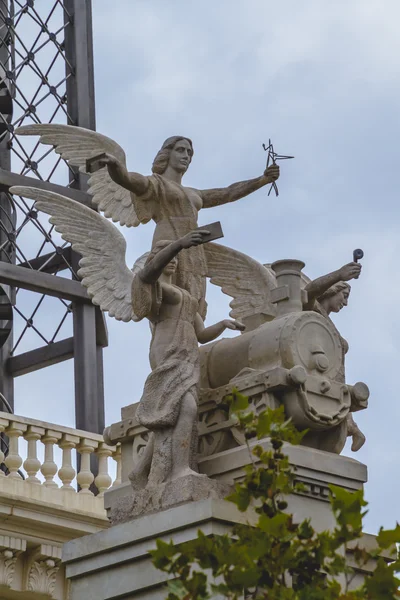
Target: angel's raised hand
[(350, 271), (272, 173), (108, 160), (194, 238), (235, 325)]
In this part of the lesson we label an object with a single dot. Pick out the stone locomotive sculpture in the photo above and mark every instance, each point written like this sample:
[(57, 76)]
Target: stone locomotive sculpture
[(297, 353)]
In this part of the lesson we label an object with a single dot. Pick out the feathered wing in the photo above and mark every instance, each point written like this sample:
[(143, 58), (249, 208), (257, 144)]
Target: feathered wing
[(246, 280), (102, 267), (76, 145)]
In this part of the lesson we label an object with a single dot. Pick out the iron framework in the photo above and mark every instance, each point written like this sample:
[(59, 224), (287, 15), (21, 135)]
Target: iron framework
[(46, 75)]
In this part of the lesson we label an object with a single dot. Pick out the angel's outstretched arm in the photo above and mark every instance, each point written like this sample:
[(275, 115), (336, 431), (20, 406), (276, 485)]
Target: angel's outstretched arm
[(76, 145), (218, 196), (134, 182), (319, 286), (208, 334)]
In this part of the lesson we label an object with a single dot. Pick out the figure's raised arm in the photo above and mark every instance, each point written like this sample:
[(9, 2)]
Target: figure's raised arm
[(319, 286), (134, 182), (154, 268), (77, 146), (236, 191)]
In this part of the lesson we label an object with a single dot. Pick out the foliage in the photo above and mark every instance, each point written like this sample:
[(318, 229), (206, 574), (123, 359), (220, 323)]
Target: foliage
[(275, 558)]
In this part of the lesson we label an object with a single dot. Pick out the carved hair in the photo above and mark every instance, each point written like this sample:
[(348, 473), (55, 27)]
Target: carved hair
[(335, 289), (160, 162)]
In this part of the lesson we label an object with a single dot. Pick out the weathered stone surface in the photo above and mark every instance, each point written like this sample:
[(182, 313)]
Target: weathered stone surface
[(191, 488), (116, 563)]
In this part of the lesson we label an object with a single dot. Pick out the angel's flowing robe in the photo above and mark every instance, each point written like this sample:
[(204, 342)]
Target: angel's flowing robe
[(177, 372), (167, 203)]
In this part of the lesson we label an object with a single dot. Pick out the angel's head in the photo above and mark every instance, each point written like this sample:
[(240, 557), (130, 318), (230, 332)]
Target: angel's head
[(176, 152), (172, 266), (336, 297)]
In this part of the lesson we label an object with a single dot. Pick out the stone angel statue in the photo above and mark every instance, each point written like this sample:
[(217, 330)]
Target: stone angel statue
[(130, 198), (168, 407)]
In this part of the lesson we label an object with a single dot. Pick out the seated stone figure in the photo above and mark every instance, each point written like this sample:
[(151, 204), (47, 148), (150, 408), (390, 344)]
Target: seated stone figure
[(168, 407)]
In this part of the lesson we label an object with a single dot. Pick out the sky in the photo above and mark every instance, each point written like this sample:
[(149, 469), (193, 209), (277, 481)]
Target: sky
[(322, 81)]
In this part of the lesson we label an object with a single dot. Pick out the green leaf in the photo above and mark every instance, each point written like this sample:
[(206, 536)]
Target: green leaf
[(347, 507), (237, 402), (388, 537), (241, 497), (383, 584), (177, 588), (275, 526), (305, 531), (163, 555)]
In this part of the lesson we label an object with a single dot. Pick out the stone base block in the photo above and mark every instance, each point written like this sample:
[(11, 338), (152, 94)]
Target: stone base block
[(157, 498), (115, 564)]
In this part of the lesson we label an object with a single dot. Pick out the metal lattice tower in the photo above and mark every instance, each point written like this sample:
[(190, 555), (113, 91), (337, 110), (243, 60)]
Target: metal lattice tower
[(46, 75)]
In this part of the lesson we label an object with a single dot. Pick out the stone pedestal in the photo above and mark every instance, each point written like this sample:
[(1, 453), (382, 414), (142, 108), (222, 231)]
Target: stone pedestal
[(116, 564)]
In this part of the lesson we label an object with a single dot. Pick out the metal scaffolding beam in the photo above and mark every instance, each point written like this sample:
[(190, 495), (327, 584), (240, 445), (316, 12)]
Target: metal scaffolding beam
[(60, 60)]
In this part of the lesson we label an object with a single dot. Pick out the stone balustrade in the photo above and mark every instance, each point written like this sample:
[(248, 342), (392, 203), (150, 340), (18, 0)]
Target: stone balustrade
[(30, 438), (46, 499)]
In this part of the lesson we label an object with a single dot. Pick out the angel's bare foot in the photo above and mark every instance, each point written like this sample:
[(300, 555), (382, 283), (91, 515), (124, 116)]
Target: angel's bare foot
[(358, 440)]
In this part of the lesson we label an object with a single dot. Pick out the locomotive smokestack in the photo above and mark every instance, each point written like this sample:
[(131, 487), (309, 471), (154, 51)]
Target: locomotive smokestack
[(287, 295)]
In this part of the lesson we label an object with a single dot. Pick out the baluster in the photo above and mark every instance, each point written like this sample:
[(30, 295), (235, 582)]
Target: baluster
[(117, 457), (49, 467), (85, 476), (67, 471), (13, 460), (3, 424), (103, 480), (32, 463)]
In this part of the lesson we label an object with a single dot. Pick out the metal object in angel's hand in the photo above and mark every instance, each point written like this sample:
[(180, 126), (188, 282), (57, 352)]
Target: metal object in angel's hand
[(274, 157), (358, 254)]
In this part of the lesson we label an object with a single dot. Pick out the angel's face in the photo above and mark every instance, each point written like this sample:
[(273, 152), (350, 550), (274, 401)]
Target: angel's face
[(339, 300), (180, 156), (171, 267)]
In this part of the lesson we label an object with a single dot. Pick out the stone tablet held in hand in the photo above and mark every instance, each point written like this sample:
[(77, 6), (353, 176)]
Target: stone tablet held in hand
[(215, 230), (93, 164)]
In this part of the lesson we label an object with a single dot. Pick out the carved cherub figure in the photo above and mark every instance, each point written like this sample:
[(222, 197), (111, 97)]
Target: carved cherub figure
[(131, 198)]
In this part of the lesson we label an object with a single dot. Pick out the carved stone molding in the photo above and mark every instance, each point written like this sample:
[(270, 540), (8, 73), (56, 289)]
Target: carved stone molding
[(8, 559), (314, 489), (10, 548), (42, 570), (42, 576)]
